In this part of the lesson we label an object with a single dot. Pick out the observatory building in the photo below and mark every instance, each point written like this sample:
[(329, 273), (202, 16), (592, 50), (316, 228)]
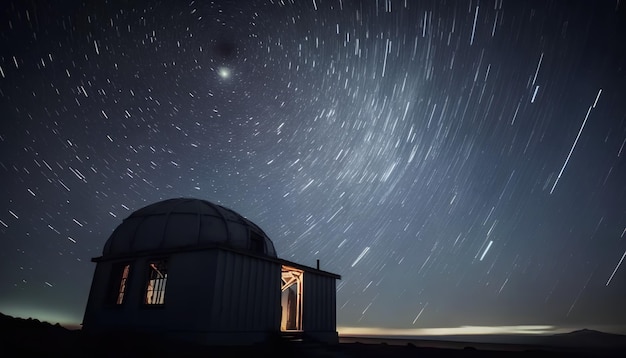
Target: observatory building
[(192, 270)]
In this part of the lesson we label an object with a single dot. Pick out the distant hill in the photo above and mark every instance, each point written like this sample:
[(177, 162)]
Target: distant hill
[(585, 338), (31, 326), (586, 332), (37, 338), (33, 338)]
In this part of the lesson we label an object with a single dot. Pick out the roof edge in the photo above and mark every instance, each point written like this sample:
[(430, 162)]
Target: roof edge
[(214, 246)]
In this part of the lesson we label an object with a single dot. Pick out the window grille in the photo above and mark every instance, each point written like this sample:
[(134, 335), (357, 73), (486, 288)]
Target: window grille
[(157, 279)]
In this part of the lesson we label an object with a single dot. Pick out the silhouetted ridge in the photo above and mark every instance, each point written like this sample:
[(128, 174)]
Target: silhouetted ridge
[(33, 338)]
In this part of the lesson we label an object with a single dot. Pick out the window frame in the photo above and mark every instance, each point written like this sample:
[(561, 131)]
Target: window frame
[(155, 285), (119, 279)]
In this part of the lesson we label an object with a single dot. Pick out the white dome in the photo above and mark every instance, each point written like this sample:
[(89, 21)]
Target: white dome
[(185, 223)]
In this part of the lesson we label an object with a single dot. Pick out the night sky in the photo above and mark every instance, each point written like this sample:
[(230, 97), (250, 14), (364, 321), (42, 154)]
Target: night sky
[(459, 163)]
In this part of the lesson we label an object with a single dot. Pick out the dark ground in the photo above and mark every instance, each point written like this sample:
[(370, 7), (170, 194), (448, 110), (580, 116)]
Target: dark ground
[(32, 338)]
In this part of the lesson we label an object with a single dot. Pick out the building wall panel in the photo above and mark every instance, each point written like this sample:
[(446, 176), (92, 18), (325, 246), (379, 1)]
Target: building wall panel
[(212, 293), (247, 292), (189, 288), (319, 303)]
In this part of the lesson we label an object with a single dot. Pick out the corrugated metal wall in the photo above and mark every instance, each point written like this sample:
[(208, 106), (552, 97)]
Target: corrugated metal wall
[(208, 291), (246, 294), (213, 292), (319, 301), (91, 318)]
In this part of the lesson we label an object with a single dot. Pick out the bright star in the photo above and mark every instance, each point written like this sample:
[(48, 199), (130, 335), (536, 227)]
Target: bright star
[(223, 72)]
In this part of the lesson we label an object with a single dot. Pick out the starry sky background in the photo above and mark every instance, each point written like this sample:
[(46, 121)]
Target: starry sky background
[(459, 163)]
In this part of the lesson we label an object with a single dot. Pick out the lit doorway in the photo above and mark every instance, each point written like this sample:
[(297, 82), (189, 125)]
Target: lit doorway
[(291, 299)]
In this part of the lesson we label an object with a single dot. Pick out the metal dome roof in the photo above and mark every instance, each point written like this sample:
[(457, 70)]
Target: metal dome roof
[(184, 223)]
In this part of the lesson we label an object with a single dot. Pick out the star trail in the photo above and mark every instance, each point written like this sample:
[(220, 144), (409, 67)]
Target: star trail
[(459, 163)]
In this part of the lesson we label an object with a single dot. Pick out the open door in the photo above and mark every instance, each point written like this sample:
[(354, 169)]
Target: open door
[(291, 299)]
